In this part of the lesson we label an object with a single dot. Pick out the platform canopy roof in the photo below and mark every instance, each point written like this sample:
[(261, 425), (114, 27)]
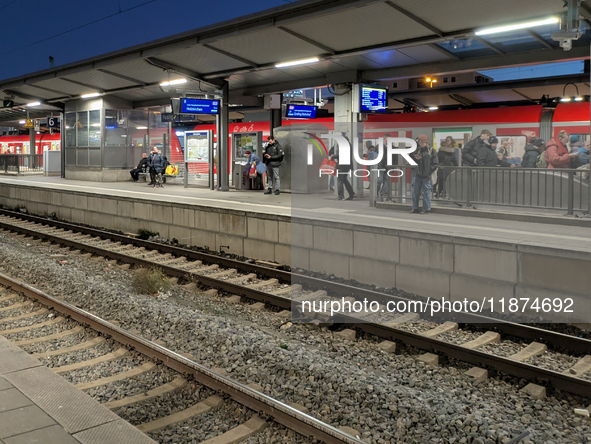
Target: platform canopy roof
[(355, 40)]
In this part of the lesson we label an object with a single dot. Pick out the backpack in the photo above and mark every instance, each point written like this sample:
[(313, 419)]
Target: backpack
[(541, 161)]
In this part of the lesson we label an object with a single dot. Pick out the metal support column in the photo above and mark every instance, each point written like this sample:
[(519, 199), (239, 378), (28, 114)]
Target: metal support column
[(63, 144), (223, 148), (32, 149), (275, 117)]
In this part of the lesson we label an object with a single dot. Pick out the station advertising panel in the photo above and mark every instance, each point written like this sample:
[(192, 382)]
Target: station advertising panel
[(301, 112), (200, 106), (370, 99), (197, 146)]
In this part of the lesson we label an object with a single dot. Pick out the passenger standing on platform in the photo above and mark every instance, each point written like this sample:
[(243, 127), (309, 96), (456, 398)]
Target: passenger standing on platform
[(488, 156), (532, 152), (259, 166), (342, 180), (584, 153), (158, 167), (427, 163), (470, 150), (557, 155), (272, 157), (382, 166), (140, 168), (150, 167), (446, 157)]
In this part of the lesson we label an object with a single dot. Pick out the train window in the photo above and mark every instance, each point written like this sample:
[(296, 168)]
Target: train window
[(453, 79), (445, 80), (82, 128), (94, 135), (395, 85), (512, 148), (70, 129)]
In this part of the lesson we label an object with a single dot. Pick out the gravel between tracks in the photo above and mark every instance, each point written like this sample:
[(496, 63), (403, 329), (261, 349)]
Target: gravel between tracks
[(388, 398)]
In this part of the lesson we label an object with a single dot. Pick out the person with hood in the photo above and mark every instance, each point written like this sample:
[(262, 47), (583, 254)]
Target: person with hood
[(427, 163), (272, 157), (470, 150), (488, 157), (557, 155), (446, 157), (532, 152)]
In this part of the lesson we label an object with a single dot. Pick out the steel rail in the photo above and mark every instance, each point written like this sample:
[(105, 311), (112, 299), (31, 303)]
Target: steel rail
[(554, 340), (259, 402), (514, 368)]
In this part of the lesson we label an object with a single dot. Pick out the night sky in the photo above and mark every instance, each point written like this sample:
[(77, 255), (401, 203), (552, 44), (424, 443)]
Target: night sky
[(28, 27)]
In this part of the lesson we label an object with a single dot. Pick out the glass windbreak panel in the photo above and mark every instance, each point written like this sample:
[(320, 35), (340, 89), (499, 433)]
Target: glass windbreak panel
[(71, 156), (138, 128), (94, 135), (115, 128), (82, 128), (94, 157), (159, 134), (71, 129)]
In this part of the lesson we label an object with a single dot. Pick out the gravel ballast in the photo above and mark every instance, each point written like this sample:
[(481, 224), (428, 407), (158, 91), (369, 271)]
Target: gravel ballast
[(387, 398)]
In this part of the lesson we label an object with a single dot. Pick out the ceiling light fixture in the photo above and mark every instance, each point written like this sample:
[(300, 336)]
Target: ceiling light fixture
[(142, 127), (433, 108), (297, 62), (33, 104), (22, 122), (578, 99), (524, 25), (174, 82), (90, 95), (565, 99)]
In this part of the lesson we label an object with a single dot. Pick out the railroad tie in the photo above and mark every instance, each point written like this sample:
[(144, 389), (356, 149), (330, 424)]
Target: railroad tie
[(158, 391), (239, 279), (41, 312), (490, 337), (213, 402), (238, 434), (144, 368), (443, 328), (60, 335), (13, 306), (89, 363), (224, 273), (582, 366), (533, 349), (33, 327), (263, 284), (60, 351), (8, 298)]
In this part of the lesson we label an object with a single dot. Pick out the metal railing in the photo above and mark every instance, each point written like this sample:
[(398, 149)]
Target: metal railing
[(21, 163), (559, 189)]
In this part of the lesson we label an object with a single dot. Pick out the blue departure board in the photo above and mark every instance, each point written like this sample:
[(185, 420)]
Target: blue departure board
[(301, 112), (200, 106), (373, 98)]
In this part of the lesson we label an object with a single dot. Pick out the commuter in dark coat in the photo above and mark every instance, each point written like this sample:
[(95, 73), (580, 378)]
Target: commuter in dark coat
[(470, 150), (141, 166), (532, 152), (152, 172), (427, 163), (342, 179), (488, 156), (157, 165), (272, 158), (446, 157)]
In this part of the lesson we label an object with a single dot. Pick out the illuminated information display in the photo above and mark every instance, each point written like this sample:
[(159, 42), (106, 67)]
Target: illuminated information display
[(301, 112), (373, 99), (200, 106)]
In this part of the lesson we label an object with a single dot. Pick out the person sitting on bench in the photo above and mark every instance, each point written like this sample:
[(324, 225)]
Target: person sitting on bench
[(141, 167)]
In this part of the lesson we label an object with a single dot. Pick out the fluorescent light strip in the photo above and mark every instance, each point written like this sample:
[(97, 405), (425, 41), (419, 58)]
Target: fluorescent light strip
[(433, 108), (523, 25), (90, 95), (578, 99), (174, 82), (297, 62), (565, 99), (33, 104), (22, 122), (142, 127)]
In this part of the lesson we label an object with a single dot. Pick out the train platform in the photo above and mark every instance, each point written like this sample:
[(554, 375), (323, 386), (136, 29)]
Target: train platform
[(453, 256), (39, 406)]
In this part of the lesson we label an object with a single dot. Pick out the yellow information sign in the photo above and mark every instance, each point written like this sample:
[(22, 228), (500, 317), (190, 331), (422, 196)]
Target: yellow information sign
[(28, 124)]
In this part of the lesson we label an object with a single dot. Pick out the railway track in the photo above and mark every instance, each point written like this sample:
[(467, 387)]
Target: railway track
[(273, 287), (139, 372)]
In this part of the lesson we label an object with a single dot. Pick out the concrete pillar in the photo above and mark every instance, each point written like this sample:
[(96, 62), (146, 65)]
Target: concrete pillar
[(63, 143), (275, 117)]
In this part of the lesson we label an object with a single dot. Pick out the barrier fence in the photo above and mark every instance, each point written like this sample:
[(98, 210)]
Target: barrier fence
[(560, 189), (21, 163)]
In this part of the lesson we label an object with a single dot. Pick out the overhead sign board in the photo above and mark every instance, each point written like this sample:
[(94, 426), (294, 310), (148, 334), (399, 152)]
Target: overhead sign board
[(301, 112), (53, 122), (167, 117), (200, 106)]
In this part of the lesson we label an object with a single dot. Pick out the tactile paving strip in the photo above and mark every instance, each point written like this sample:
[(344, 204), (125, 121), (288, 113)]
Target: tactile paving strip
[(14, 358), (114, 432)]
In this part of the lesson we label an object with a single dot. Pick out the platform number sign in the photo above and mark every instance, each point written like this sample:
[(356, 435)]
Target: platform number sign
[(53, 122)]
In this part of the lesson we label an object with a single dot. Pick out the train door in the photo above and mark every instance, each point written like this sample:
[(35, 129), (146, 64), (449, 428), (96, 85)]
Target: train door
[(460, 136)]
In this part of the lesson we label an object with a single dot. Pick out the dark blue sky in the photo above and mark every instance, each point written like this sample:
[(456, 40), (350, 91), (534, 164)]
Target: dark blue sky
[(26, 23)]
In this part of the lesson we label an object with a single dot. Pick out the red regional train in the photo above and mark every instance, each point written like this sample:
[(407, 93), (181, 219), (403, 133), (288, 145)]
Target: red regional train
[(514, 126), (21, 144)]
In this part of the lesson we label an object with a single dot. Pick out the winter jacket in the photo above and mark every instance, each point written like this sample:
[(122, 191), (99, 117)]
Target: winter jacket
[(470, 150), (158, 163), (446, 156), (340, 168), (427, 163), (487, 157), (530, 157), (583, 156), (142, 164), (276, 153), (557, 155)]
